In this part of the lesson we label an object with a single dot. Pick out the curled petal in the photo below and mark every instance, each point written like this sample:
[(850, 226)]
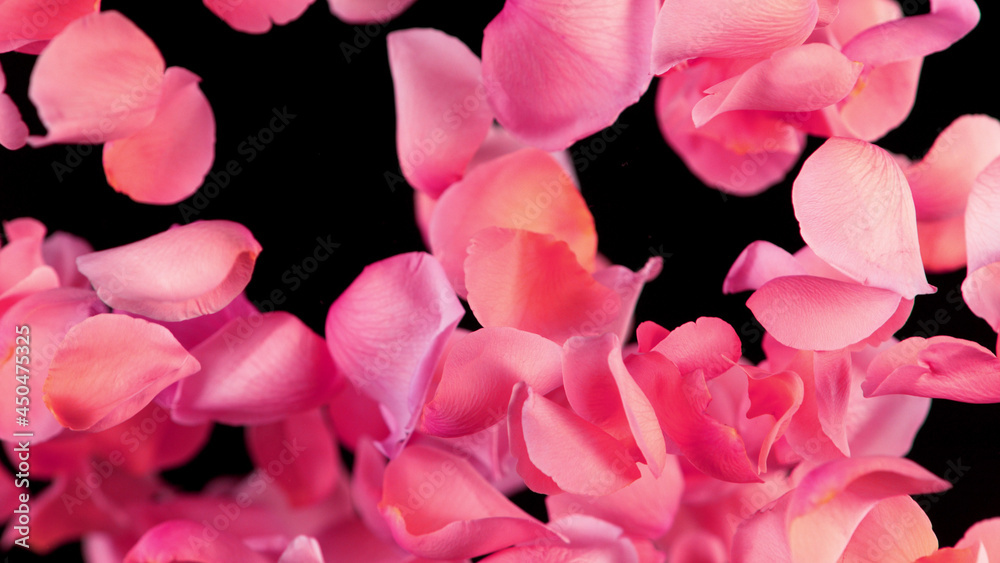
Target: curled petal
[(759, 263), (436, 79), (166, 161), (940, 367), (387, 331), (556, 71), (111, 366), (707, 344), (97, 81), (182, 273)]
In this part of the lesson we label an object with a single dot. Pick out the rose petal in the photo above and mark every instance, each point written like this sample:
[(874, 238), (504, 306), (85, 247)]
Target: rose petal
[(255, 16)]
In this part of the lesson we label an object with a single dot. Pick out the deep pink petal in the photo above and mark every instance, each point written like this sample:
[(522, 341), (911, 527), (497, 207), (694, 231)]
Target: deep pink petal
[(439, 507), (643, 508), (533, 282), (304, 444), (600, 389), (940, 367), (479, 374), (556, 70), (111, 366), (526, 190), (855, 212), (797, 79), (366, 487), (686, 29), (184, 272), (387, 331), (590, 540), (680, 401), (707, 344), (648, 335), (778, 395), (26, 22), (242, 364), (166, 161), (813, 313), (98, 81), (441, 112), (256, 16), (171, 541), (915, 36), (368, 11), (759, 263), (355, 415)]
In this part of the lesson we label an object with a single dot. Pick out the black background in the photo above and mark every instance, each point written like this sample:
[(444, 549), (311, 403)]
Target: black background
[(324, 176)]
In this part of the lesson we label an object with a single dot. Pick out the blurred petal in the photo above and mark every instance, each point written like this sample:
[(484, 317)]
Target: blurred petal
[(23, 22), (368, 11), (181, 273), (181, 540), (255, 16)]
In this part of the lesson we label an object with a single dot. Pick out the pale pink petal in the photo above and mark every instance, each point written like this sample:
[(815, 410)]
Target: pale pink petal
[(479, 373), (981, 290), (628, 285), (40, 279), (686, 29), (880, 101), (942, 244), (27, 22), (23, 252), (915, 36), (386, 333), (954, 555), (812, 313), (171, 541), (680, 401), (500, 142), (193, 332), (940, 367), (368, 11), (526, 190), (797, 79), (99, 80), (707, 344), (982, 218), (578, 456), (828, 12), (302, 549), (643, 508), (533, 282), (899, 518), (181, 273), (48, 316), (855, 211), (985, 532), (763, 537), (256, 16), (600, 389), (439, 507), (60, 250), (241, 366), (741, 153), (311, 466), (855, 17), (557, 70), (111, 366), (590, 541), (759, 263), (442, 115), (167, 160)]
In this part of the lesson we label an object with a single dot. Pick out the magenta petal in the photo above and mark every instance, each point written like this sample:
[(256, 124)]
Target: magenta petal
[(579, 456), (111, 366), (686, 29), (940, 367), (171, 541), (245, 361), (97, 81), (368, 11), (439, 507), (437, 80), (387, 331), (306, 448), (182, 273), (556, 70), (855, 211), (813, 313), (255, 16), (915, 36), (166, 161), (479, 374), (797, 79)]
